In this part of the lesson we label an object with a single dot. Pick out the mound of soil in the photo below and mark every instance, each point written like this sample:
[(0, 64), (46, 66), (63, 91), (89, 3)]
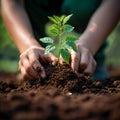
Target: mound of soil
[(63, 95)]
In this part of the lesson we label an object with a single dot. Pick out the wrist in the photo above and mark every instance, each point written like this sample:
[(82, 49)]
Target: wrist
[(32, 43), (33, 48), (86, 45), (88, 42)]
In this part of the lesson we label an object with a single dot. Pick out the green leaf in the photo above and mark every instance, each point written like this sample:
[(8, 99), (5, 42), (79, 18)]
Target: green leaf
[(68, 28), (52, 19), (57, 18), (65, 46), (47, 40), (62, 18), (67, 18), (71, 38), (53, 30), (72, 45), (49, 48), (65, 55)]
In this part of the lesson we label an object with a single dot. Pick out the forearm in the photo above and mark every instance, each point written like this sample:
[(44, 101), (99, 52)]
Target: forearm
[(101, 24), (18, 24)]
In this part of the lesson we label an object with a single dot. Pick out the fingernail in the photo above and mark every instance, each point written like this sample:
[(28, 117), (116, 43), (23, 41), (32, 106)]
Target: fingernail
[(36, 67), (43, 75), (83, 66), (75, 72), (54, 62)]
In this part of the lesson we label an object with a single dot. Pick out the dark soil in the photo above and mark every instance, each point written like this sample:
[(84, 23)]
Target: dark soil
[(63, 95)]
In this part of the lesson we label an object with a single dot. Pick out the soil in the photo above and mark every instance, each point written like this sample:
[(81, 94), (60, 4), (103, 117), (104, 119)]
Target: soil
[(63, 95)]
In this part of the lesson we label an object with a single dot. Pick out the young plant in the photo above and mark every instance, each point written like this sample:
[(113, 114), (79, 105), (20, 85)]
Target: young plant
[(58, 31)]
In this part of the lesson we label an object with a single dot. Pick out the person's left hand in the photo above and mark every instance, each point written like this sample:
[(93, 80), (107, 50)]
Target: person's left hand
[(83, 60)]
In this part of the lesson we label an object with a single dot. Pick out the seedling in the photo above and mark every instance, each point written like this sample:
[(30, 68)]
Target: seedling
[(58, 31)]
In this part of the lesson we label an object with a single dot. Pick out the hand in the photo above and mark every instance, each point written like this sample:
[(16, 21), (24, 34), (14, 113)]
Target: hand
[(32, 61), (83, 60)]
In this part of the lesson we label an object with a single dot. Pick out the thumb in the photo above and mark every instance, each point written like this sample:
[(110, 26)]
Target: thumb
[(53, 59), (75, 59)]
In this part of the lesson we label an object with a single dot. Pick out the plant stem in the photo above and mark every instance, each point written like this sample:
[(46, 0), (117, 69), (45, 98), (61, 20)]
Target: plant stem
[(60, 40)]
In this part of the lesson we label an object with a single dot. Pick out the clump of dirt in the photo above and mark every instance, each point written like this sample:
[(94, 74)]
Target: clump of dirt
[(63, 95), (65, 80)]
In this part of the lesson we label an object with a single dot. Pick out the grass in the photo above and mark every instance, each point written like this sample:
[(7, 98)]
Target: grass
[(8, 65), (112, 51)]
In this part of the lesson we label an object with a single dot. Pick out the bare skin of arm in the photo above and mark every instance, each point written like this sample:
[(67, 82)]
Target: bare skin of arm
[(19, 27), (100, 26)]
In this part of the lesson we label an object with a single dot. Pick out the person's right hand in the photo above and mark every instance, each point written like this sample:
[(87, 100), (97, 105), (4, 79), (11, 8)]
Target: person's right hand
[(32, 61)]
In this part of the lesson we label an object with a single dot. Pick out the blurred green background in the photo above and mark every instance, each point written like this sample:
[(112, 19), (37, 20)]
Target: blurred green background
[(9, 54)]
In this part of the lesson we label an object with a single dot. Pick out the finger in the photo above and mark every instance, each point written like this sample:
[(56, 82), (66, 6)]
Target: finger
[(40, 70), (75, 58), (88, 70), (44, 59), (36, 65), (34, 60), (84, 60), (61, 60), (42, 73), (91, 67), (19, 65), (53, 59), (29, 69), (94, 64), (24, 74)]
